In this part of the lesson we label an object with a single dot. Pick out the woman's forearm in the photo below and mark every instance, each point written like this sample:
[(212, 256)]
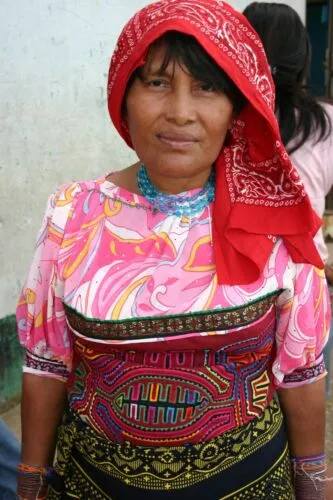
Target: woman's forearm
[(304, 411), (43, 403)]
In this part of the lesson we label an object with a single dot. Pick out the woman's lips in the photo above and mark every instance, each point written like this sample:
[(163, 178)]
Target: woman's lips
[(177, 140)]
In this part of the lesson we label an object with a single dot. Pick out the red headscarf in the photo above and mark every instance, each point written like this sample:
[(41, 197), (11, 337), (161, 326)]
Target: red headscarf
[(259, 194)]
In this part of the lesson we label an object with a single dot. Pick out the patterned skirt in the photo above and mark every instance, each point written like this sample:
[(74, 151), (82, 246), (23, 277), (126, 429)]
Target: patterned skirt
[(250, 462)]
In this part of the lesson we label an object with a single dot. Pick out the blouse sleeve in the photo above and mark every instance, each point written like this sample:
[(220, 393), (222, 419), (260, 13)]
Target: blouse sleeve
[(40, 313), (303, 324)]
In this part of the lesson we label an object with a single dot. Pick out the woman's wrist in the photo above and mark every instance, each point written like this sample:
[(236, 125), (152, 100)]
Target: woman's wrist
[(32, 481), (310, 476)]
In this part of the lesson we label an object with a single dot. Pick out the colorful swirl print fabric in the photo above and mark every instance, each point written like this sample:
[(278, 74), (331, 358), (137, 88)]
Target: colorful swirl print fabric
[(118, 291)]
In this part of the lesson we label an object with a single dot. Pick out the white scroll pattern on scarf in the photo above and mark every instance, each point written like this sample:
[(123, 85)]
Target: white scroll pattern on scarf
[(215, 21), (262, 183)]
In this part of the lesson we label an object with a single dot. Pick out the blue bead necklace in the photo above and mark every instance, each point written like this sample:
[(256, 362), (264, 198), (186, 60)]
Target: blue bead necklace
[(176, 204)]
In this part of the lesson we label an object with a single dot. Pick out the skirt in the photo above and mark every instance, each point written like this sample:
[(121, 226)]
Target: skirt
[(249, 462)]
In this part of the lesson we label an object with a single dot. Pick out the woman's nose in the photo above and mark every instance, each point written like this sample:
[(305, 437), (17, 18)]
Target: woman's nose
[(180, 107)]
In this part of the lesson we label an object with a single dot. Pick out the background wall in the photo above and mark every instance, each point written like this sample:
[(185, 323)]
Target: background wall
[(55, 128)]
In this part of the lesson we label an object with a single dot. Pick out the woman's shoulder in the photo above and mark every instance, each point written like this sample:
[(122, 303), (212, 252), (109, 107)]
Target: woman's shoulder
[(327, 143), (72, 190), (66, 196), (82, 200), (111, 185), (327, 106), (62, 202)]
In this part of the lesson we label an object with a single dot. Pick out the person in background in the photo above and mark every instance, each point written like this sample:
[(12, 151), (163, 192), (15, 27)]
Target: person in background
[(9, 460), (305, 121), (167, 302)]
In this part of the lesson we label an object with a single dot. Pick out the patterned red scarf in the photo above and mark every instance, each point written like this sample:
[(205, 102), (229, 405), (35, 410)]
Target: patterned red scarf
[(259, 195)]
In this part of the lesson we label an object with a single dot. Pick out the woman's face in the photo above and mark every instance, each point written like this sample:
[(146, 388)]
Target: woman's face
[(177, 124)]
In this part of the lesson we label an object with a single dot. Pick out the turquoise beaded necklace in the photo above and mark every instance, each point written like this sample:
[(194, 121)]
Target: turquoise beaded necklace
[(176, 204)]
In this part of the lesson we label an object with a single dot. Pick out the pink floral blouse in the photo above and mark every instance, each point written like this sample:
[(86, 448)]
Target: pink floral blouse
[(108, 255)]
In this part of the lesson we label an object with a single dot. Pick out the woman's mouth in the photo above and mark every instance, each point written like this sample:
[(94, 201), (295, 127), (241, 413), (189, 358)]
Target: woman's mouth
[(177, 141)]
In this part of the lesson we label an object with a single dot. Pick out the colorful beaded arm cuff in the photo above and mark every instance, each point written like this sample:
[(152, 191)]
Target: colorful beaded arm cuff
[(310, 476), (32, 482)]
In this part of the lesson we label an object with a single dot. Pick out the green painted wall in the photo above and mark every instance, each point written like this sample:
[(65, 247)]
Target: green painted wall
[(11, 356)]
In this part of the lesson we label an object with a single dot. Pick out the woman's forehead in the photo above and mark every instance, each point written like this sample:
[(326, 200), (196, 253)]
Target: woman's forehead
[(158, 59), (169, 51)]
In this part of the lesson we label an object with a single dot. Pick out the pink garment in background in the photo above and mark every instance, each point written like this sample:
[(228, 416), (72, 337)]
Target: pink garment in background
[(314, 163)]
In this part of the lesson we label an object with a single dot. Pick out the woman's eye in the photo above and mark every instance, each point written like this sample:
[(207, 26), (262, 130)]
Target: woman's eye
[(206, 87), (157, 83)]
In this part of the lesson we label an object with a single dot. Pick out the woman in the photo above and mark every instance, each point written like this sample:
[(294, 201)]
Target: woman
[(173, 297), (305, 122)]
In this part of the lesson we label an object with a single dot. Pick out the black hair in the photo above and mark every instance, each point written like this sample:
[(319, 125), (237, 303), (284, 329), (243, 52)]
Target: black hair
[(288, 49), (188, 53)]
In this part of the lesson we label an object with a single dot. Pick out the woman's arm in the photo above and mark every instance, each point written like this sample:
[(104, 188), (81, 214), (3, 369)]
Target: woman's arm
[(304, 411), (43, 404), (43, 332)]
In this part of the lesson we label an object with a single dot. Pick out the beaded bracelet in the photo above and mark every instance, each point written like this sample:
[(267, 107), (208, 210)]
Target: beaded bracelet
[(32, 482), (310, 476)]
